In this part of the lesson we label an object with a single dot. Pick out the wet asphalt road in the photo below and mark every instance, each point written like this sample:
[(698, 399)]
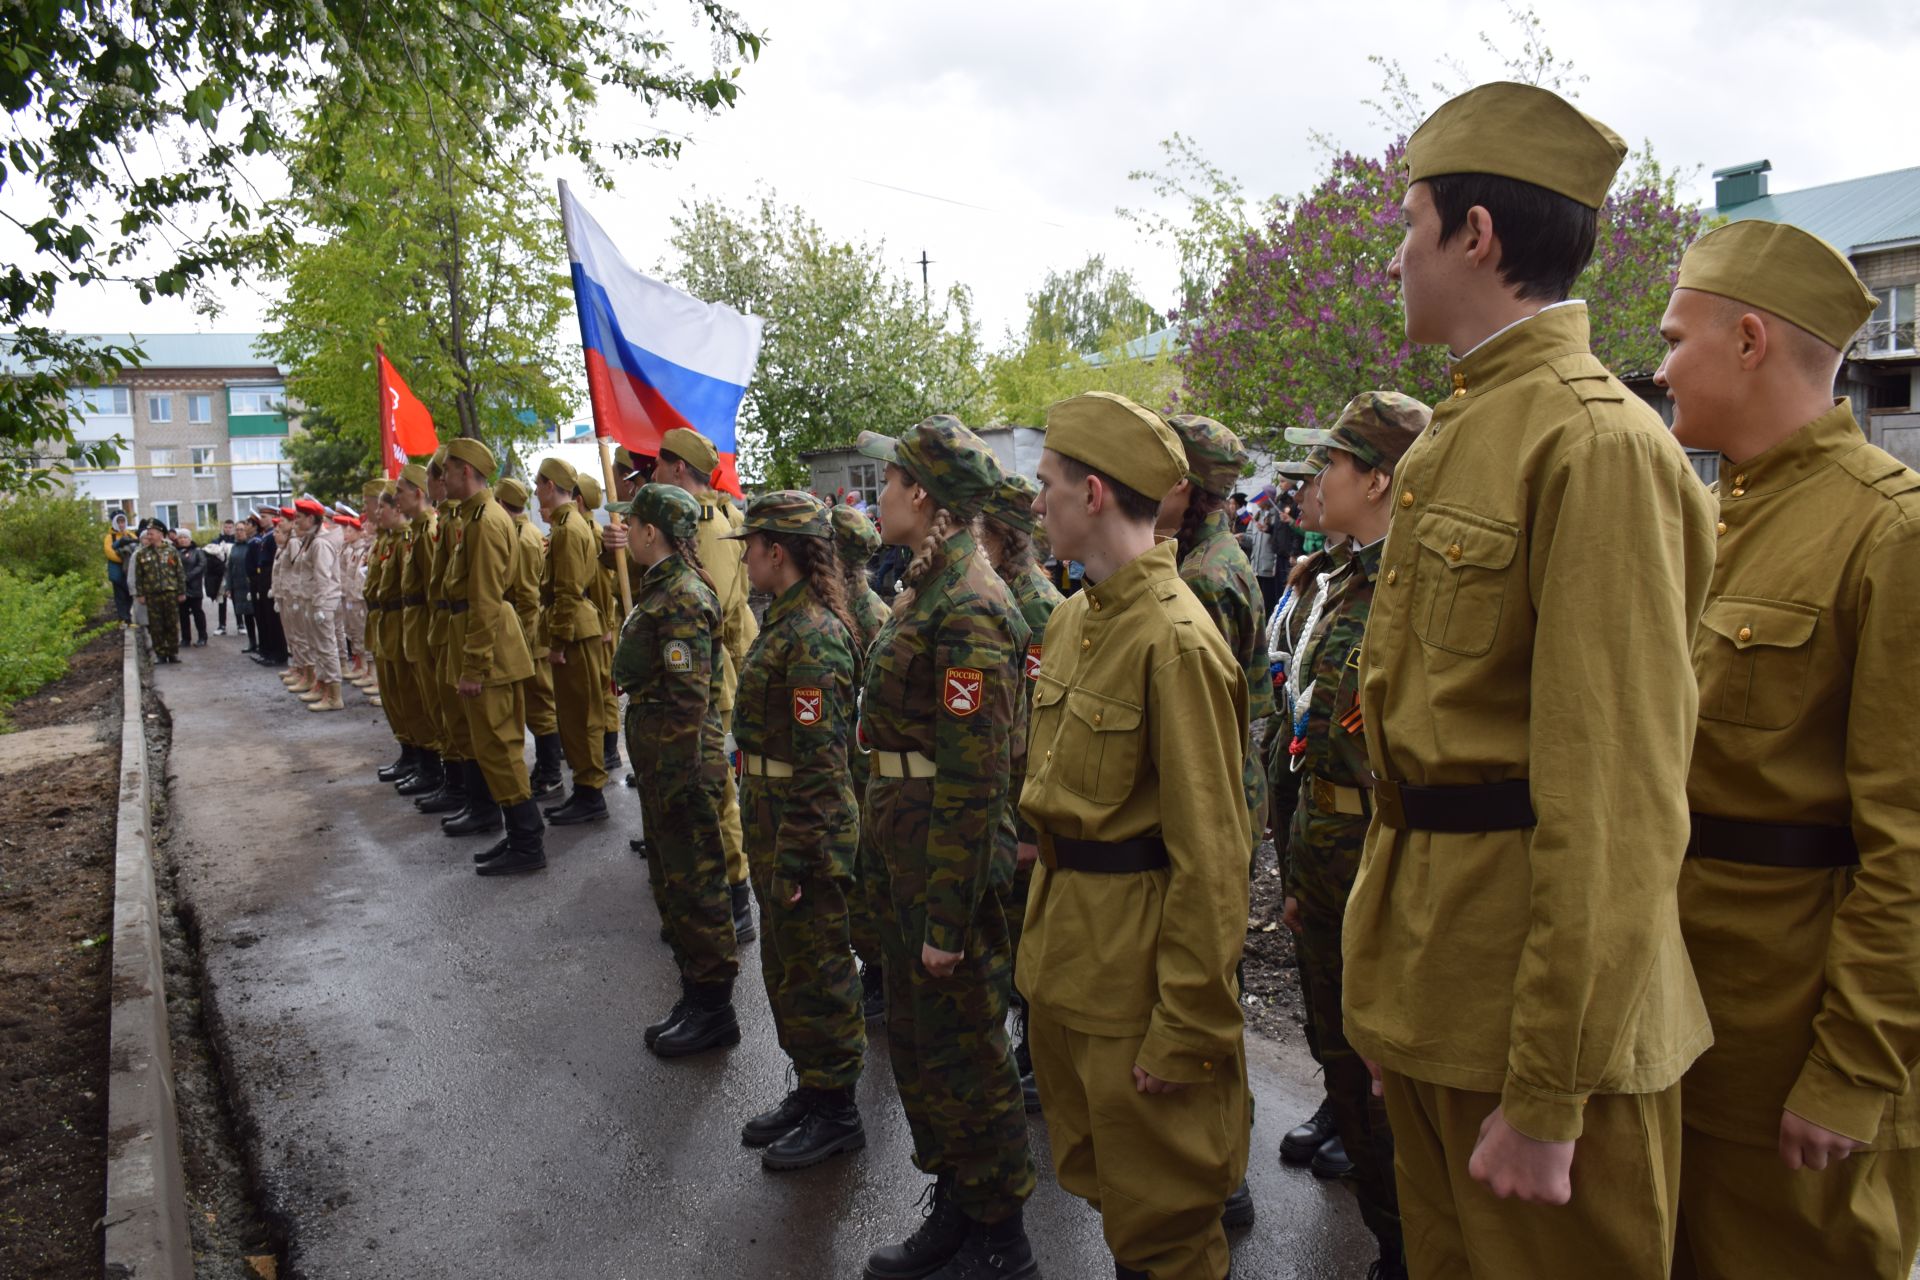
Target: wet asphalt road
[(444, 1075)]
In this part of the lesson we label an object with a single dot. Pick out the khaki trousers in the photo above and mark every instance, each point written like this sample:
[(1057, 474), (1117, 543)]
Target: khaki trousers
[(1158, 1167), (579, 703), (1619, 1225), (426, 692), (496, 721), (732, 836), (454, 719), (326, 645), (541, 719), (1743, 1213)]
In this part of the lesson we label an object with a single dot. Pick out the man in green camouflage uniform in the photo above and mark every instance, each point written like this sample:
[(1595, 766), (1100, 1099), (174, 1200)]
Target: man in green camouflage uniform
[(161, 583), (1218, 572), (1329, 828), (793, 715), (1007, 528), (668, 664), (855, 539), (940, 710)]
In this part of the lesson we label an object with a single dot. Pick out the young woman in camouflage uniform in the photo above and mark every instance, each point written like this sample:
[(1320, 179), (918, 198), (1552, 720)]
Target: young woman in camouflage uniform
[(940, 709), (793, 718), (1006, 535), (667, 662), (855, 538), (1329, 754)]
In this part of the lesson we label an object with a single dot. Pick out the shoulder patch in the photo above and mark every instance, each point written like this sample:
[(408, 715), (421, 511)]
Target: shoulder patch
[(1033, 661), (809, 705), (963, 689), (678, 655)]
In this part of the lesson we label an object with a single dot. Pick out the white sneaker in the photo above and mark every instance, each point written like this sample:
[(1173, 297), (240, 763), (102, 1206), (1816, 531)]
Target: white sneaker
[(219, 631)]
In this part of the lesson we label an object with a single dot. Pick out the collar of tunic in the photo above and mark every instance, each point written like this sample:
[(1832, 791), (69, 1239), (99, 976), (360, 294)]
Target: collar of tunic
[(1810, 449), (785, 603), (1559, 330), (1132, 579)]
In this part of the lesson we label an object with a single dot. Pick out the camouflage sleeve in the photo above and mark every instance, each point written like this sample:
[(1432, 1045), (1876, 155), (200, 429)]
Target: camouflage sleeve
[(685, 671), (820, 683), (972, 737)]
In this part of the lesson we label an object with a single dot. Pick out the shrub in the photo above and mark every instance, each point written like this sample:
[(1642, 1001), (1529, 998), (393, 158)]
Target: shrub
[(43, 535), (42, 622)]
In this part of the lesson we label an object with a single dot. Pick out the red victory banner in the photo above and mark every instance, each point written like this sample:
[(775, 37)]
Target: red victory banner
[(406, 428)]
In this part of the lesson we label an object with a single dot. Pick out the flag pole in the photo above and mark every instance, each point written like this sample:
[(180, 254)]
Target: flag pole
[(599, 429)]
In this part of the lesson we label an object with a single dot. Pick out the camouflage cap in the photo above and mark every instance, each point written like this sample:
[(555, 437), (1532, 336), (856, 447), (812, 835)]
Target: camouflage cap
[(784, 511), (1304, 468), (854, 535), (511, 493), (1215, 456), (1012, 503), (664, 506), (874, 444), (951, 463), (588, 488), (1376, 427)]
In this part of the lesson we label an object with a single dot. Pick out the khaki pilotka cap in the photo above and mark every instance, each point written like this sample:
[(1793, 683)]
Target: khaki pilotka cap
[(1789, 272), (558, 473), (474, 454), (854, 535), (664, 506), (1012, 503), (415, 474), (588, 488), (1215, 457), (784, 511), (511, 493), (1376, 427), (1523, 132), (951, 463), (1118, 438), (691, 448)]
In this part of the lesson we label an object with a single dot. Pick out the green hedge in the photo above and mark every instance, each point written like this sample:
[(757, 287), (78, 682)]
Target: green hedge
[(42, 535), (42, 622)]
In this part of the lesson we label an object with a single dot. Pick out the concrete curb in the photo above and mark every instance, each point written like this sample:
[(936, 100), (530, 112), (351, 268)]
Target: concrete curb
[(146, 1219)]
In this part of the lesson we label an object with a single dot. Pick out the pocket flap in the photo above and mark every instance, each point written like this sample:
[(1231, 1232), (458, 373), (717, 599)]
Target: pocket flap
[(1102, 715), (1462, 540), (1047, 690), (1777, 624)]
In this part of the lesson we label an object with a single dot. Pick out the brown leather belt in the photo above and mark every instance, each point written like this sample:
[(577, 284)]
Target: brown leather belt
[(1489, 806), (1772, 844), (1105, 857)]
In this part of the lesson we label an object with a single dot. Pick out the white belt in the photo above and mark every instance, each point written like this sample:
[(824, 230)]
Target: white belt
[(761, 767), (902, 764)]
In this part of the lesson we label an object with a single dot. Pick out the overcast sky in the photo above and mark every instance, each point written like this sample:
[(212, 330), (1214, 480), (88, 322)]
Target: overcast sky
[(1017, 123)]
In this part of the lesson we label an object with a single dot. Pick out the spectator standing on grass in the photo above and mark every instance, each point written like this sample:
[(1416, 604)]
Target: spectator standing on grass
[(193, 612)]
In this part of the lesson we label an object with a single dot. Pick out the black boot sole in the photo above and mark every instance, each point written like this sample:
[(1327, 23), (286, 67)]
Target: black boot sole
[(673, 1049), (1298, 1157), (509, 865), (851, 1142), (464, 828), (565, 819)]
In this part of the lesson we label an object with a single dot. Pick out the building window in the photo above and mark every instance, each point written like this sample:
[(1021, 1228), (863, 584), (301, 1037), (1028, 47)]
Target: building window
[(116, 507), (159, 407), (160, 462), (1891, 330), (202, 461), (256, 400), (206, 515), (244, 503), (167, 513), (101, 402), (258, 449), (200, 409)]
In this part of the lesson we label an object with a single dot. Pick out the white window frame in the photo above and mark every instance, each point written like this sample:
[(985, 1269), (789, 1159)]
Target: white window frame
[(1884, 330), (118, 401), (202, 401), (206, 515), (167, 513), (160, 407), (203, 457), (244, 446), (259, 400), (162, 462)]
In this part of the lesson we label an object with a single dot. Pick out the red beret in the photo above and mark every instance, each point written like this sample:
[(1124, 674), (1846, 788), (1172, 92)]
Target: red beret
[(287, 512), (310, 507)]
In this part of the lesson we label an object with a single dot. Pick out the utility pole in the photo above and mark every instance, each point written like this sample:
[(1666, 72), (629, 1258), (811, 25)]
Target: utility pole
[(925, 289)]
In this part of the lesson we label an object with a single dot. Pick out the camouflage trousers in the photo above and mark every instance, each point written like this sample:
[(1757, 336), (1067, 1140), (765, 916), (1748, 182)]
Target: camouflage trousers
[(685, 862), (952, 1059), (163, 627), (867, 900), (1324, 855), (805, 952)]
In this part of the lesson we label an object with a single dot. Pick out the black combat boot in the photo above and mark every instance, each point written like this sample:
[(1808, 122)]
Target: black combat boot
[(831, 1125), (482, 815), (400, 768), (1023, 1063), (1331, 1162), (932, 1243), (785, 1116), (586, 804), (1123, 1272), (1390, 1265), (425, 778), (1297, 1146), (744, 930), (997, 1252), (1238, 1210), (526, 847), (547, 758), (452, 795), (610, 752), (708, 1023), (873, 992), (679, 1011)]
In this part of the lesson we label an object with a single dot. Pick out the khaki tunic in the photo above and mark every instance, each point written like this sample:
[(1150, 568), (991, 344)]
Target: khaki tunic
[(484, 640), (1548, 558), (1809, 664), (725, 563)]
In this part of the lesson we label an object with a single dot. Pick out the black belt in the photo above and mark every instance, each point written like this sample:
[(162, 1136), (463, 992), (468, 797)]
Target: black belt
[(1107, 857), (460, 606), (549, 597), (1489, 806), (1772, 844), (412, 602), (439, 604)]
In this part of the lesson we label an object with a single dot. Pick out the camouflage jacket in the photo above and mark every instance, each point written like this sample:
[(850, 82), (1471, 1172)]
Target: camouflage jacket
[(795, 705), (157, 571), (1323, 849), (1036, 598), (1221, 578), (943, 680), (869, 614), (668, 663)]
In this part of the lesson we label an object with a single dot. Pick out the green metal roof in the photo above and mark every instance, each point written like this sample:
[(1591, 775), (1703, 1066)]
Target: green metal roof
[(1859, 215), (173, 350)]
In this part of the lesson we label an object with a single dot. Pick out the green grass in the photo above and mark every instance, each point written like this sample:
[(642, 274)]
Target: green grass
[(42, 622)]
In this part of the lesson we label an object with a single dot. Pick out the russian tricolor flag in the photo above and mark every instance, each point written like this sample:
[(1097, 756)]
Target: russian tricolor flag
[(657, 358)]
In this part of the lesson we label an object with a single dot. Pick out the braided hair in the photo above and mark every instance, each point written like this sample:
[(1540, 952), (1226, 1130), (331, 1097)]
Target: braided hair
[(819, 566)]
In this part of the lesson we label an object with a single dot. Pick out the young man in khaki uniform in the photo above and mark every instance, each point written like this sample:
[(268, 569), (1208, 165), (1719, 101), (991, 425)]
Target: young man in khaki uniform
[(1136, 915), (1512, 944), (574, 632), (526, 592), (1800, 898), (415, 660)]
